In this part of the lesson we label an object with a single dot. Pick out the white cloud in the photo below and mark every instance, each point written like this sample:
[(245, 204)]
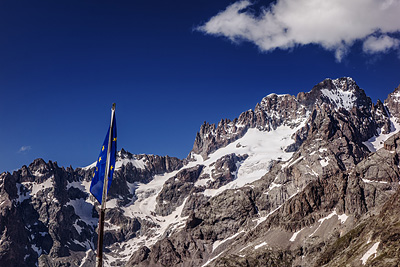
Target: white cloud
[(333, 24), (24, 149), (382, 43)]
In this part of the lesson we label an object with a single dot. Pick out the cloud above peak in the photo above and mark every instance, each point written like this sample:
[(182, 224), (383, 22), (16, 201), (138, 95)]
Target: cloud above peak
[(333, 24), (24, 149)]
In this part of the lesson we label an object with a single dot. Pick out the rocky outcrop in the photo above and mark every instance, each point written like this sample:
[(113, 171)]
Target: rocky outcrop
[(39, 214), (224, 170), (392, 103), (176, 190), (382, 166), (141, 168), (380, 231)]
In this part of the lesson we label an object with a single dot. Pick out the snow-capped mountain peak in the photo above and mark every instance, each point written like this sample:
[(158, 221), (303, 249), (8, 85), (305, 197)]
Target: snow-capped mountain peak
[(295, 172), (341, 93)]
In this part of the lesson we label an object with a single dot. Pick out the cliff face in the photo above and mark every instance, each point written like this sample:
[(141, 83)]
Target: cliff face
[(301, 206), (306, 180)]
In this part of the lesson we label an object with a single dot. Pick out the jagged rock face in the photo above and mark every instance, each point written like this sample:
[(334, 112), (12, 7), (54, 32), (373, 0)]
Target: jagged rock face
[(392, 102), (339, 93), (272, 112), (225, 169), (138, 169), (356, 248), (38, 218), (342, 95), (329, 173), (381, 166), (176, 189), (291, 183), (142, 168), (253, 218), (46, 210), (186, 247)]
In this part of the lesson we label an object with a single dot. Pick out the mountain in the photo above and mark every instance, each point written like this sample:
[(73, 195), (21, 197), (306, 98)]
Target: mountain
[(306, 180)]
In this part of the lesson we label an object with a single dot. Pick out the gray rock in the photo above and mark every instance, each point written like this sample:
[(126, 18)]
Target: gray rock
[(331, 174)]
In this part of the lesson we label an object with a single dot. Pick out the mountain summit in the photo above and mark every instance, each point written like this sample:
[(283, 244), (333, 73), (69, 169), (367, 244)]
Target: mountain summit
[(306, 180)]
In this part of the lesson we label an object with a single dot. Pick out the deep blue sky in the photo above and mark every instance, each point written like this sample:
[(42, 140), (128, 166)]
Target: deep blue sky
[(63, 63)]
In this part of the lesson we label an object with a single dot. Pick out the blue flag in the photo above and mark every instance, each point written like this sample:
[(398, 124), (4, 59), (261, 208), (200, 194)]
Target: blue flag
[(96, 187)]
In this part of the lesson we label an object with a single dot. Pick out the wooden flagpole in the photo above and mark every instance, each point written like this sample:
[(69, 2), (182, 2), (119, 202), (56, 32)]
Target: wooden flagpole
[(99, 256)]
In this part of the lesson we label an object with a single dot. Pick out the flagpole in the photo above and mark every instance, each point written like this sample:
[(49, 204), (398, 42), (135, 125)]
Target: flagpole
[(99, 256)]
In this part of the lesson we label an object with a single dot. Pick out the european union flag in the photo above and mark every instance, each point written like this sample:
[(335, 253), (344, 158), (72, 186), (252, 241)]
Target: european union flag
[(96, 187)]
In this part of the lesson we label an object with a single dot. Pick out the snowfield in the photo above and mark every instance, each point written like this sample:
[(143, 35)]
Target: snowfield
[(262, 148), (376, 142)]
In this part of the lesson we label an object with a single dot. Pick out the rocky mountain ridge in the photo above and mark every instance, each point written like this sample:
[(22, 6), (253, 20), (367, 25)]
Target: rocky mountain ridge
[(277, 110), (298, 181)]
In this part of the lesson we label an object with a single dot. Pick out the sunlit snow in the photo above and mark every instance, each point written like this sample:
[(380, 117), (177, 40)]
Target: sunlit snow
[(369, 253), (144, 207), (86, 257), (261, 245), (38, 250), (376, 142), (342, 99), (324, 162), (35, 188), (342, 219), (292, 162), (83, 209), (373, 181), (139, 164), (262, 147), (218, 242), (210, 260), (293, 238)]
